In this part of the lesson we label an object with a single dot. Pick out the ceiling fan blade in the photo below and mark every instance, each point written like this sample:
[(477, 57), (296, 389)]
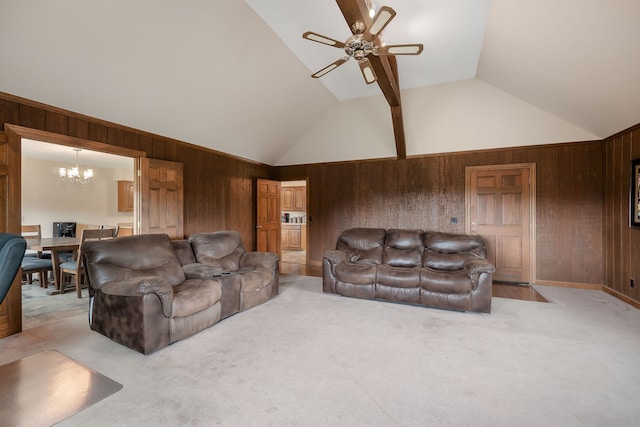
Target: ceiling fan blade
[(314, 37), (330, 67), (367, 71), (399, 49), (382, 18)]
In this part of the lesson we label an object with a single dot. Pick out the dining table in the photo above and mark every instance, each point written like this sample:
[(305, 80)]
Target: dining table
[(56, 245)]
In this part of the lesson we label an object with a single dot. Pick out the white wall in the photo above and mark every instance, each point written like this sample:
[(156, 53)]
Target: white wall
[(46, 198), (457, 116)]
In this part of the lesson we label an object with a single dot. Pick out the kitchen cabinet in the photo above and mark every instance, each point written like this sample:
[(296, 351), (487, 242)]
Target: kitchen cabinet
[(294, 237), (125, 196), (294, 198)]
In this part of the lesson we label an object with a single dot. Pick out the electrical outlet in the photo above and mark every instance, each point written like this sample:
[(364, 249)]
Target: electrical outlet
[(631, 283)]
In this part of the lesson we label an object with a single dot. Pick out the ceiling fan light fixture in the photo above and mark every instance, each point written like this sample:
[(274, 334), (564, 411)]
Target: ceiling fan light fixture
[(404, 50), (367, 71), (320, 39), (371, 7), (382, 18), (364, 41), (325, 70)]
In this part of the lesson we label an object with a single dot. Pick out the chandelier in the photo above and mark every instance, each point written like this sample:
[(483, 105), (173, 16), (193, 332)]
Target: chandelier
[(73, 174)]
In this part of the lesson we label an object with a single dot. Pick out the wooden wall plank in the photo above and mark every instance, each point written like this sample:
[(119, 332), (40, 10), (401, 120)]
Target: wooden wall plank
[(634, 233), (622, 243)]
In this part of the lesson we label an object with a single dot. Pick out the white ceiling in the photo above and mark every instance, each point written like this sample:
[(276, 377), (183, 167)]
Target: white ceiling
[(234, 76), (66, 156), (451, 32)]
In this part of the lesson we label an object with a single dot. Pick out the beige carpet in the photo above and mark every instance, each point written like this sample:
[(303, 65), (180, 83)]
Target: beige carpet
[(310, 359)]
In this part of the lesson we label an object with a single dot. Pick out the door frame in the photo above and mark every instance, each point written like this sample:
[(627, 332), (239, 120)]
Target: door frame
[(307, 222), (85, 144), (532, 205)]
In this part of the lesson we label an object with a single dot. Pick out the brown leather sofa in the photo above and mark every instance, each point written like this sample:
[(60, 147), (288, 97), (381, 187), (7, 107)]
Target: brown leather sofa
[(426, 268), (247, 278), (147, 292)]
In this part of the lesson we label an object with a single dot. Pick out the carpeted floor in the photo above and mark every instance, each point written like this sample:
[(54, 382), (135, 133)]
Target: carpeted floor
[(310, 359)]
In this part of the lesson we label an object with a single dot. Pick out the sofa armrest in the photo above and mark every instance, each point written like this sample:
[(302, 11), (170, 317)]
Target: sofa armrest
[(139, 286), (266, 260), (335, 257), (474, 267)]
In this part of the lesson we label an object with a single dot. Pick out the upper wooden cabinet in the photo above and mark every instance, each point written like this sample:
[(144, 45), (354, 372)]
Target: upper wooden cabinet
[(125, 196), (294, 198)]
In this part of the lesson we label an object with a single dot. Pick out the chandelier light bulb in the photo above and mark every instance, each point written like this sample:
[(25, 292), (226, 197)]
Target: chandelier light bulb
[(73, 174)]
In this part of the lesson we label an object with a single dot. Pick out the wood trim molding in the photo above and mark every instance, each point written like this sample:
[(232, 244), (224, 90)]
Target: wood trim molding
[(621, 296), (72, 141), (574, 285), (533, 264)]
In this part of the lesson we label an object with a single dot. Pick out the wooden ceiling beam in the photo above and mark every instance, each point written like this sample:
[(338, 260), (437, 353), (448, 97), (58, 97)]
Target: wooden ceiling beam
[(385, 67)]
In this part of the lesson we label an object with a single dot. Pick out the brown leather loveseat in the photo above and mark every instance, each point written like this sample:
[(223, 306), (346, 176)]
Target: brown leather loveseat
[(426, 268), (147, 292)]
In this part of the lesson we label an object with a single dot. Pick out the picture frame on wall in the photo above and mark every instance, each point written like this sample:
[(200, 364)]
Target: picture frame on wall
[(634, 199)]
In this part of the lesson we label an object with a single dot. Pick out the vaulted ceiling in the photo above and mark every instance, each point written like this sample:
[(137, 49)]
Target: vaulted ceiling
[(234, 76)]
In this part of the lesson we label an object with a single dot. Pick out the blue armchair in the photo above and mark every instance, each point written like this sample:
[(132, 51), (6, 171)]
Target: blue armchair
[(12, 249)]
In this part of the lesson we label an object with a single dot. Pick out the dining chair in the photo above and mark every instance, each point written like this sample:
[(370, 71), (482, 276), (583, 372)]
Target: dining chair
[(125, 229), (74, 268), (32, 265), (33, 232)]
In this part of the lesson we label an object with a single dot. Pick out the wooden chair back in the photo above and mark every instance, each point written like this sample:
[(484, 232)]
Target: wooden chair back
[(124, 230), (31, 231), (75, 268), (97, 234)]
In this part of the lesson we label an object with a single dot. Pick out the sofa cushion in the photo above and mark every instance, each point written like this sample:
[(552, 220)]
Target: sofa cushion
[(445, 251), (200, 271), (448, 243), (132, 256), (195, 295), (446, 282), (362, 245), (184, 251), (222, 249), (438, 261), (401, 277), (362, 274), (403, 248)]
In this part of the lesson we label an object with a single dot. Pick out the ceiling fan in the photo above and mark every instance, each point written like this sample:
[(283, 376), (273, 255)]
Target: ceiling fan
[(363, 42)]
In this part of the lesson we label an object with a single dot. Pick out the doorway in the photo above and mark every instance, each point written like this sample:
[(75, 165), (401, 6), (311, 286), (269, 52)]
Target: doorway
[(46, 308), (293, 216), (501, 206)]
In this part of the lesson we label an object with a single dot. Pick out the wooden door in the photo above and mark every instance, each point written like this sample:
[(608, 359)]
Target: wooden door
[(500, 205), (10, 213), (268, 216), (160, 198)]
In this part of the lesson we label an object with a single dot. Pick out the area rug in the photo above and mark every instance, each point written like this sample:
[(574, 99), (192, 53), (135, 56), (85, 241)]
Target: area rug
[(47, 387)]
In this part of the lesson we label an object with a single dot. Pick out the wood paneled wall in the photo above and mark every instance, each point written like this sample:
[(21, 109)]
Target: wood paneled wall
[(218, 188), (622, 243), (426, 192), (582, 193)]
